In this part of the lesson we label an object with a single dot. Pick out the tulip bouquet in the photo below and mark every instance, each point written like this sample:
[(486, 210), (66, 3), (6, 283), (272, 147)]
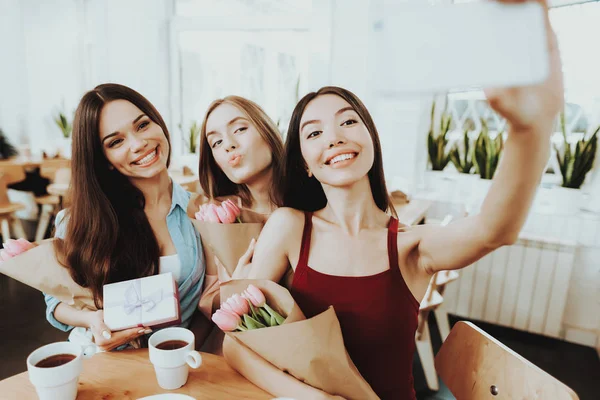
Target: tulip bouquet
[(226, 230), (226, 213), (38, 266), (263, 316), (246, 311)]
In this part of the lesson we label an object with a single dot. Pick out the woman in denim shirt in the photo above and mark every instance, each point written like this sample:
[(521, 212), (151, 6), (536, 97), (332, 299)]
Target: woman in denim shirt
[(127, 218)]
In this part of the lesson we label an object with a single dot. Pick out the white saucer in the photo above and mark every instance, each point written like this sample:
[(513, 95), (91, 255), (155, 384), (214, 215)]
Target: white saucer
[(168, 396)]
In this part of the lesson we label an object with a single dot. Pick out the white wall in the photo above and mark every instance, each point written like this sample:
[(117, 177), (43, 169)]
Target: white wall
[(13, 80), (401, 121), (54, 51), (127, 43)]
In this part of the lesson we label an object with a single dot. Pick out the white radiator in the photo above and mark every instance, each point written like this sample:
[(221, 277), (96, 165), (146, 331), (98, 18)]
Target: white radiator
[(523, 286)]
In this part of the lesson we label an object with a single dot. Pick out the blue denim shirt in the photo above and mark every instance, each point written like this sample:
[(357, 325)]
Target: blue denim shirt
[(189, 248)]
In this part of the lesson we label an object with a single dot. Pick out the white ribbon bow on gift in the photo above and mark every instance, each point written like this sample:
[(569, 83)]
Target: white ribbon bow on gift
[(134, 299)]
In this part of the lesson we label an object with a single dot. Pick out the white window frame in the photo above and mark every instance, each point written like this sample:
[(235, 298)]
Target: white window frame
[(179, 24)]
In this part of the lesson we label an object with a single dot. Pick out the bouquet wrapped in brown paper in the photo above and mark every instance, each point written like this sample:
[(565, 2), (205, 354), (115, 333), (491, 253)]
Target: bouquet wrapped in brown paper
[(312, 350), (226, 239), (40, 269)]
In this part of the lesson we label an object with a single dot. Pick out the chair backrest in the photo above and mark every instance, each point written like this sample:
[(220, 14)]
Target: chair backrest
[(12, 172), (474, 365), (4, 200), (62, 175), (49, 167)]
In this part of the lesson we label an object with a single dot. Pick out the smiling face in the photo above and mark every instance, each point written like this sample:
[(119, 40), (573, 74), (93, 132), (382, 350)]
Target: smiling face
[(236, 145), (133, 144), (335, 143)]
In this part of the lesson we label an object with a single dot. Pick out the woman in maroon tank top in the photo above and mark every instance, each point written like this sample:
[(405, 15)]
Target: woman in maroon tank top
[(345, 248)]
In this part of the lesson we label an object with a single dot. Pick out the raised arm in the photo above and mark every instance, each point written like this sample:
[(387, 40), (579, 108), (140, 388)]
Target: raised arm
[(530, 113)]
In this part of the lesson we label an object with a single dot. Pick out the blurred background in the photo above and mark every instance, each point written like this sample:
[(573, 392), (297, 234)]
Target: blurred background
[(182, 54)]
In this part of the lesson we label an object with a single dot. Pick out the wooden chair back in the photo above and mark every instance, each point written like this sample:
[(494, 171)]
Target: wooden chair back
[(474, 365), (49, 168), (12, 172)]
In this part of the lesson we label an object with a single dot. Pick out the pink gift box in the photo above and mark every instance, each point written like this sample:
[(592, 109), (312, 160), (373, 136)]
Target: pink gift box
[(150, 301)]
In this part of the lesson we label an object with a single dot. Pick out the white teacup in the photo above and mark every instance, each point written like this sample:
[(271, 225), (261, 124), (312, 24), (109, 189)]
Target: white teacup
[(55, 382), (171, 365)]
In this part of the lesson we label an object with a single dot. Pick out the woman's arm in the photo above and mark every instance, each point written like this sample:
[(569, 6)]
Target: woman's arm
[(530, 112), (282, 233), (266, 376)]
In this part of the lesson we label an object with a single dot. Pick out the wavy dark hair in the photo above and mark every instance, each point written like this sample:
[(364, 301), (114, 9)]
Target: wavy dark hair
[(108, 236), (306, 193), (213, 180)]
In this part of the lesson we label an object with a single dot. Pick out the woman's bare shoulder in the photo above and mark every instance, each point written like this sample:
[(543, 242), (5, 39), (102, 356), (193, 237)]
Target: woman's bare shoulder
[(285, 216)]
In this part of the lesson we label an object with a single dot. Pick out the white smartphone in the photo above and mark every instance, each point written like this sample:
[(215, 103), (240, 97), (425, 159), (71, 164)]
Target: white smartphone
[(429, 49)]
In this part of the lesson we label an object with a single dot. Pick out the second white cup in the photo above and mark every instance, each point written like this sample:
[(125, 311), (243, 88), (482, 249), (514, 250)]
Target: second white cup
[(171, 352)]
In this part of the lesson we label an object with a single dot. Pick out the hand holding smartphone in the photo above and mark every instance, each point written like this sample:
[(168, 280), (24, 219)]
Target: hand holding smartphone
[(428, 49)]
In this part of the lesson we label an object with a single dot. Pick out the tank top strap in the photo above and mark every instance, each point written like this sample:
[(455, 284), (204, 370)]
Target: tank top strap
[(305, 245), (393, 245)]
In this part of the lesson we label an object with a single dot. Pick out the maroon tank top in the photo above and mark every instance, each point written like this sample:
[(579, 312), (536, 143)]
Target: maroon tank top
[(378, 315)]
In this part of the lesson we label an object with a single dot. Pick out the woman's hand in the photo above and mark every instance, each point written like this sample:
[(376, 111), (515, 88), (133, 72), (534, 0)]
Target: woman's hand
[(107, 340), (532, 107)]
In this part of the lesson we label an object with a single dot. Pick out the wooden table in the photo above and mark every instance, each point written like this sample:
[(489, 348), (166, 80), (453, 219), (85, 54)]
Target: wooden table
[(130, 375), (414, 212)]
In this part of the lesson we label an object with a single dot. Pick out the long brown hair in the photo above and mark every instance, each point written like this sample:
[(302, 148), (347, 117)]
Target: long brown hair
[(108, 237), (306, 193), (213, 180)]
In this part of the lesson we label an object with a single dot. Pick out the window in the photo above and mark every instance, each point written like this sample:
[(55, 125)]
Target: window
[(252, 48), (576, 27)]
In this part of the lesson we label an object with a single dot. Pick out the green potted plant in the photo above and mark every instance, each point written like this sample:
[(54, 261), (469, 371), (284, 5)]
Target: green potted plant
[(63, 123), (577, 159), (191, 136), (437, 142), (487, 152), (462, 156), (66, 128)]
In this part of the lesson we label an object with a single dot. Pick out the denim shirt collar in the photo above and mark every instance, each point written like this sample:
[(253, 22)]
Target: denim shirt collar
[(179, 197)]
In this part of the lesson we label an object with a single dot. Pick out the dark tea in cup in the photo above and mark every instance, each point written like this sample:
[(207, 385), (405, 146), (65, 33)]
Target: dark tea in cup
[(55, 360), (172, 345)]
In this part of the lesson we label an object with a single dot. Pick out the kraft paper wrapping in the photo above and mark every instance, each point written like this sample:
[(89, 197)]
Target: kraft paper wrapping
[(40, 269), (312, 350), (228, 242)]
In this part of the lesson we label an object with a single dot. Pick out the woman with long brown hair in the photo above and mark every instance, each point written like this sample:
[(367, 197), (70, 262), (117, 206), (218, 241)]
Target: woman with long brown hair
[(241, 155), (127, 218), (346, 250)]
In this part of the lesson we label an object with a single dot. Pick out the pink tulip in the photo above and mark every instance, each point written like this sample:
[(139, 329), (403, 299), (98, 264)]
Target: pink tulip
[(225, 216), (4, 255), (211, 215), (226, 321), (200, 215), (231, 208), (16, 247), (228, 308), (255, 296), (238, 304)]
